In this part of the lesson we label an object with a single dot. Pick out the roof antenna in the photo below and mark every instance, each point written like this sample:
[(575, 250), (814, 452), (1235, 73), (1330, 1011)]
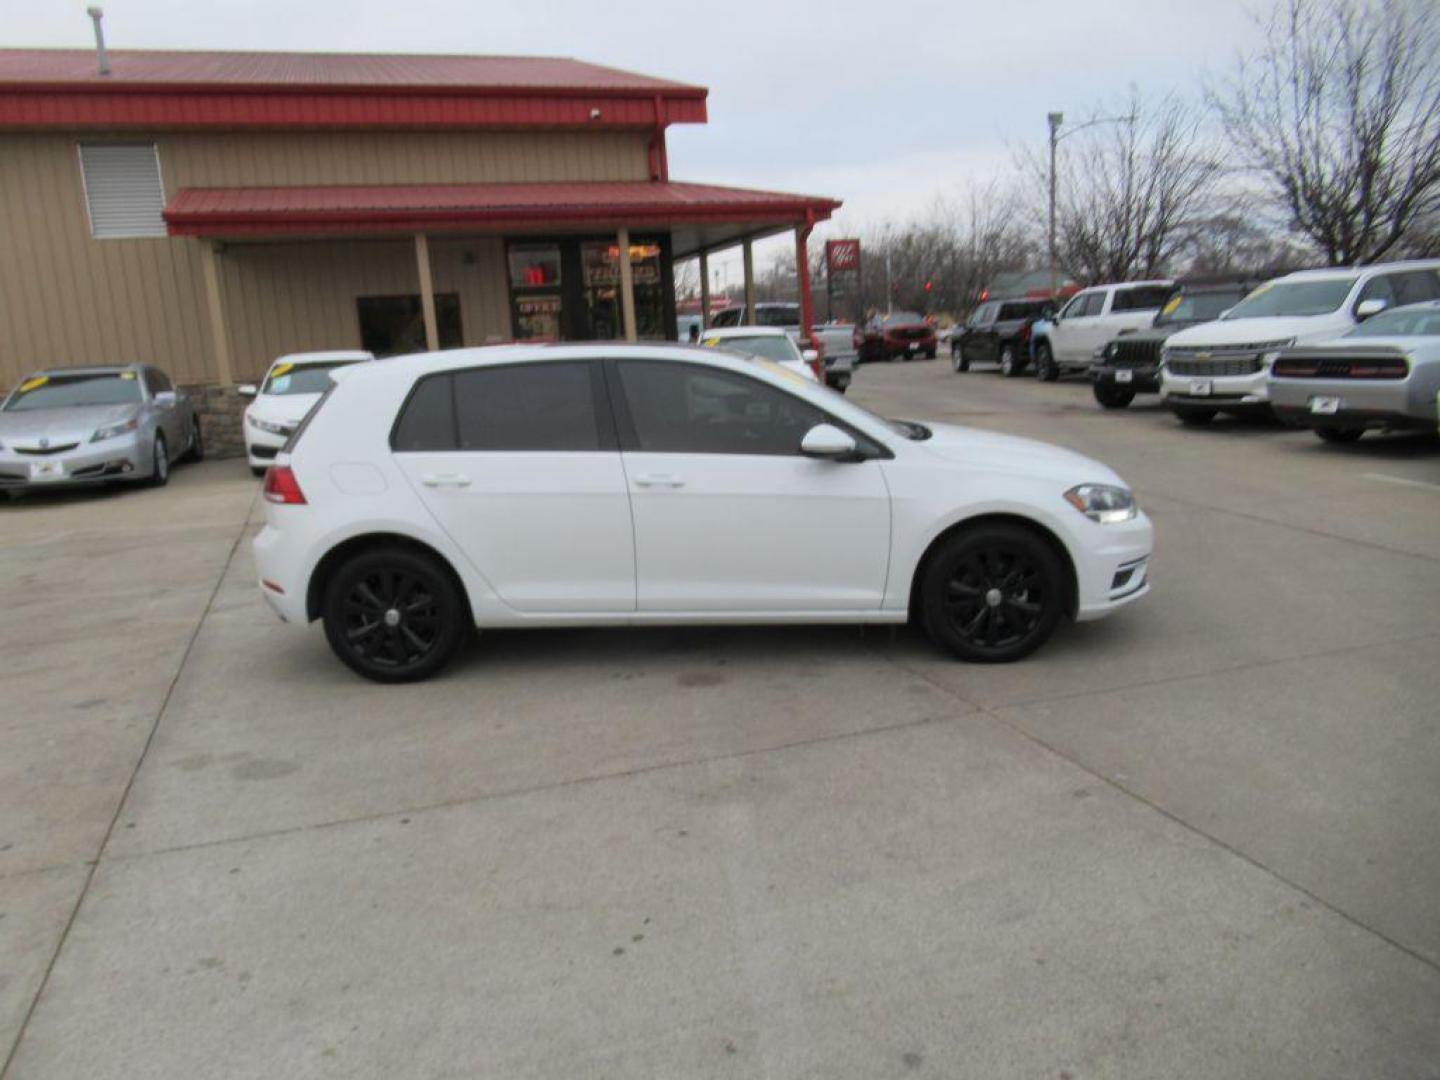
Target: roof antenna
[(97, 15)]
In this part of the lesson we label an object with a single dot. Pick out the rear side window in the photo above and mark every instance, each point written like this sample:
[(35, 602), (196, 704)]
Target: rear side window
[(1144, 298), (428, 419), (1417, 285), (728, 317), (541, 406), (779, 315)]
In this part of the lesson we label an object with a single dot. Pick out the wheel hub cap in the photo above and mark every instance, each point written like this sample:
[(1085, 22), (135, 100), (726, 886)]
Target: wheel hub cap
[(994, 597), (392, 618)]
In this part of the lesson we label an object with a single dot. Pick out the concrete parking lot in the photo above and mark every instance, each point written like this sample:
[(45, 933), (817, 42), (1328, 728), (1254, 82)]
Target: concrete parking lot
[(1195, 840)]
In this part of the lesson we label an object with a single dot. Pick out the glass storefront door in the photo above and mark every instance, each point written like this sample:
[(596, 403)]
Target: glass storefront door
[(569, 289)]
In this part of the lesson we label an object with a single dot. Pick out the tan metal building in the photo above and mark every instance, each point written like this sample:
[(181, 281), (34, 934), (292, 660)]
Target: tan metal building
[(207, 212)]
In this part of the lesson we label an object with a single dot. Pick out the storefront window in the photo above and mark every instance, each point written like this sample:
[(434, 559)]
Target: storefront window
[(535, 283), (569, 290), (600, 263)]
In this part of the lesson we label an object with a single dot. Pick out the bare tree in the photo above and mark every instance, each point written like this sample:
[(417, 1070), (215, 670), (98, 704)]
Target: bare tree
[(1130, 192), (1340, 112), (1239, 244)]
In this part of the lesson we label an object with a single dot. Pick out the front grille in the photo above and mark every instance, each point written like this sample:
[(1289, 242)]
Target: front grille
[(1132, 354), (1341, 367), (45, 450), (910, 333), (1223, 365)]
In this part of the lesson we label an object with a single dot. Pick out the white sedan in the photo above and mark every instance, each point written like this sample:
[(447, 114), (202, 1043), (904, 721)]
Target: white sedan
[(766, 342), (289, 390), (643, 484)]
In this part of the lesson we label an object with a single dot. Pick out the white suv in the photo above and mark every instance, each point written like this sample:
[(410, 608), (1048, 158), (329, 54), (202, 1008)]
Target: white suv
[(1223, 366), (629, 484), (1092, 318)]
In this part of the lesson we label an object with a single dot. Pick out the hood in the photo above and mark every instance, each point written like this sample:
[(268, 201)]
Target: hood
[(74, 424), (282, 408), (1263, 330), (1010, 453)]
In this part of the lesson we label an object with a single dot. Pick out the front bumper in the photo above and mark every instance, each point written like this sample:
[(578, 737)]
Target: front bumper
[(1145, 380), (262, 446), (1230, 392), (126, 457), (1115, 570), (1354, 402)]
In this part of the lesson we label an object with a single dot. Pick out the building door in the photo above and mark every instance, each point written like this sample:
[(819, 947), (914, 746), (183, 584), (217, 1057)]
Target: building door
[(395, 325)]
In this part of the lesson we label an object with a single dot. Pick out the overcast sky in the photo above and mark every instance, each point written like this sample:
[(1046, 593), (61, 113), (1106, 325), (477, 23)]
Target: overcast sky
[(884, 103)]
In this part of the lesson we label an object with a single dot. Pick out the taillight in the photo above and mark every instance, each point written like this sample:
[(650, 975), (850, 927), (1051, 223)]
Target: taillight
[(1024, 334), (282, 487)]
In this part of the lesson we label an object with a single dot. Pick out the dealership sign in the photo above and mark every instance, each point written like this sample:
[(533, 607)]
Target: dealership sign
[(842, 278), (842, 255)]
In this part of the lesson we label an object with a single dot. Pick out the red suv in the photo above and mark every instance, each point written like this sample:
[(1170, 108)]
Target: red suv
[(900, 333)]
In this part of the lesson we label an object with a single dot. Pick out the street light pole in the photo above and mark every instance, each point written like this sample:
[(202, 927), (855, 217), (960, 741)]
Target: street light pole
[(889, 303), (1056, 119)]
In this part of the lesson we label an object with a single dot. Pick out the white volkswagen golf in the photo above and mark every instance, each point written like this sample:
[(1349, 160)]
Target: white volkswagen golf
[(572, 485)]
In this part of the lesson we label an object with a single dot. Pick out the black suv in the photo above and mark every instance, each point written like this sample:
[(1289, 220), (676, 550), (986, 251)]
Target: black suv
[(998, 332), (1130, 364)]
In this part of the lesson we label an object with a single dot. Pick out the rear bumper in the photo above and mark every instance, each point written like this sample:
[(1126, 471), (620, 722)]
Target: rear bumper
[(1361, 403)]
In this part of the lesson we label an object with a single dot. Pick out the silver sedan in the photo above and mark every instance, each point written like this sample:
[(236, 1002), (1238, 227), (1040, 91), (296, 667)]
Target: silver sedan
[(91, 425)]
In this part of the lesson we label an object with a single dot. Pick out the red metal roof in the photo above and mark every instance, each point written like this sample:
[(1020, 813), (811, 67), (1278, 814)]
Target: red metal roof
[(438, 207), (63, 88)]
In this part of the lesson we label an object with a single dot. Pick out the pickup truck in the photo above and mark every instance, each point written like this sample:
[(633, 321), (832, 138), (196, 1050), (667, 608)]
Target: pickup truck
[(998, 332), (835, 339), (1068, 341)]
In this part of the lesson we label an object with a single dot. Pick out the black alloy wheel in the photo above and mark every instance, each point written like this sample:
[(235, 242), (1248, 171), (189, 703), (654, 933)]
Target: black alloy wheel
[(1194, 415), (1112, 396), (393, 615), (1045, 369), (992, 594), (1340, 434), (160, 456)]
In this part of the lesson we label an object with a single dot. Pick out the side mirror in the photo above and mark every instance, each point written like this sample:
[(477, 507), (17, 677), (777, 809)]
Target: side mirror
[(165, 398), (829, 442), (1373, 306), (247, 390), (809, 356)]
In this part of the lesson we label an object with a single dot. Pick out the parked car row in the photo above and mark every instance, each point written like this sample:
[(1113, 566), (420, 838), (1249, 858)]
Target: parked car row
[(1341, 350), (836, 343)]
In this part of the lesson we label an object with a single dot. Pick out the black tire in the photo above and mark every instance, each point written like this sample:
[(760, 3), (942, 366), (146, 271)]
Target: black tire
[(160, 470), (1045, 369), (1112, 396), (1194, 415), (958, 362), (1010, 367), (196, 450), (992, 594), (257, 471), (1339, 434), (394, 615), (930, 354)]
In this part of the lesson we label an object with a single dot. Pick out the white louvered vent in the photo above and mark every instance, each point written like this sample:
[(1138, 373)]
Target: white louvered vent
[(123, 190)]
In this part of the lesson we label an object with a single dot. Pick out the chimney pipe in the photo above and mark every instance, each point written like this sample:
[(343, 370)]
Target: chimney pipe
[(96, 16)]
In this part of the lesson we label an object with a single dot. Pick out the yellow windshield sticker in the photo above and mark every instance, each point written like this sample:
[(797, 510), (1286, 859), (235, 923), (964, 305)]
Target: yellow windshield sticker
[(127, 374), (783, 372), (34, 384), (281, 369), (710, 341), (1171, 305)]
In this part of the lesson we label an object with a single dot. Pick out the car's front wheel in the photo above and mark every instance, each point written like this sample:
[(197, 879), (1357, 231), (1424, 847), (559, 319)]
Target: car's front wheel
[(1340, 434), (1112, 396), (160, 456), (1045, 369), (1194, 416), (958, 361), (394, 615), (992, 593)]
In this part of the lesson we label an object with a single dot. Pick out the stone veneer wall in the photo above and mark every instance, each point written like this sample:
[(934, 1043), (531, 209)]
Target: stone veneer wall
[(220, 410)]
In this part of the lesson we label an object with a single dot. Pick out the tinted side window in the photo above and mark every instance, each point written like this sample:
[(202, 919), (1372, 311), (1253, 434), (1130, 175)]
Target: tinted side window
[(1381, 287), (1416, 286), (428, 419), (157, 381), (1143, 298), (777, 316), (728, 317), (687, 409), (540, 406), (1077, 306)]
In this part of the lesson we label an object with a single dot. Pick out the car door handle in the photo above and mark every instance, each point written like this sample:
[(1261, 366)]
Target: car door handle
[(666, 480), (436, 480)]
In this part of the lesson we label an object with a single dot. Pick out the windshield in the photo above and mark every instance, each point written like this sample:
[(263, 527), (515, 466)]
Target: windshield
[(1294, 298), (768, 347), (75, 391), (285, 379), (1414, 322), (1197, 306)]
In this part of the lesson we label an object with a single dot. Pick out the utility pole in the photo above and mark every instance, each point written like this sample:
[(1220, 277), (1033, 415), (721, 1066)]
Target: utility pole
[(889, 301)]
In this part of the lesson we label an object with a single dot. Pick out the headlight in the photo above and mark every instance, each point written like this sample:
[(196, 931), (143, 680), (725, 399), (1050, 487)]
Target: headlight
[(109, 431), (1108, 353), (1272, 349), (266, 425), (1103, 503)]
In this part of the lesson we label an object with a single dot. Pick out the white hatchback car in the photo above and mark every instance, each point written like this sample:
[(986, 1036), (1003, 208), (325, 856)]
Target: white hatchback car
[(568, 485), (289, 390)]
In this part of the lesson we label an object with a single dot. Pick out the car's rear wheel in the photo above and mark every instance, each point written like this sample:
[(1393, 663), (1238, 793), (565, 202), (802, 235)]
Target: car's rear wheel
[(1009, 367), (1193, 415), (1339, 434), (992, 594), (958, 361), (160, 456), (393, 615), (1045, 369), (196, 450), (1112, 396), (930, 354)]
